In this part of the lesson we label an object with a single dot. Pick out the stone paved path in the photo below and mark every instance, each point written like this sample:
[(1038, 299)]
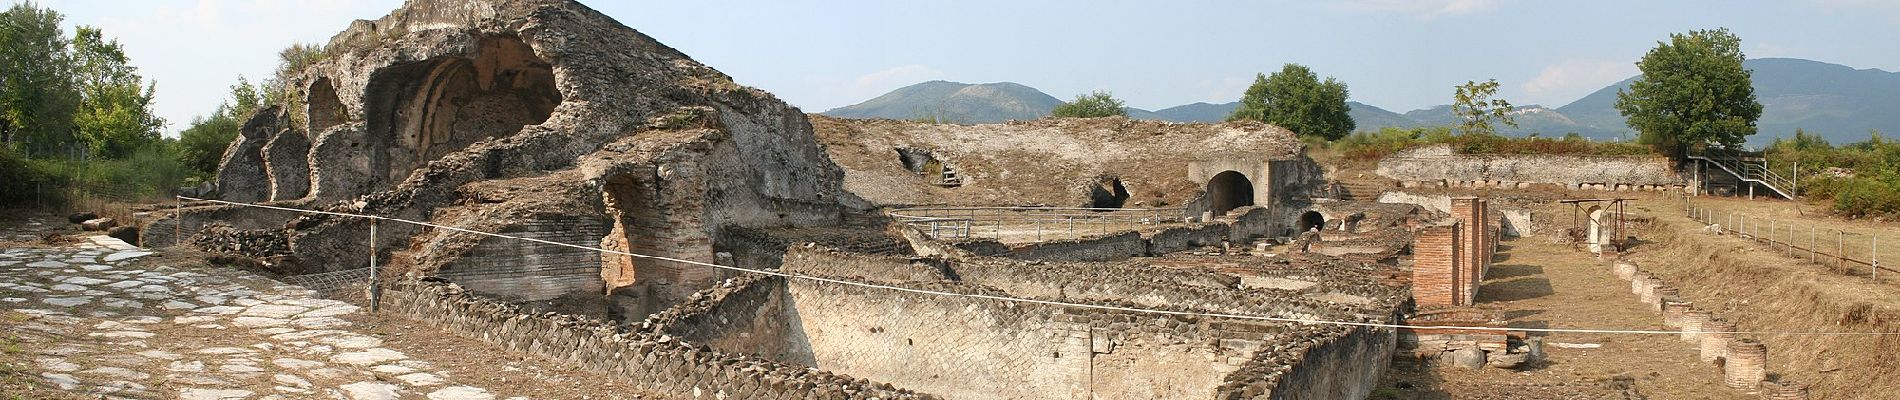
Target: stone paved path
[(95, 323)]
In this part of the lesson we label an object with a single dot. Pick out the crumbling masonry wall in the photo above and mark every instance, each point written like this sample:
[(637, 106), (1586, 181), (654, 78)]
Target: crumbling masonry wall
[(930, 342)]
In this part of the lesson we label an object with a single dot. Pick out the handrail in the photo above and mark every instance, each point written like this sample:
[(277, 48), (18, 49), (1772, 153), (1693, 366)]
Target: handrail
[(1732, 162)]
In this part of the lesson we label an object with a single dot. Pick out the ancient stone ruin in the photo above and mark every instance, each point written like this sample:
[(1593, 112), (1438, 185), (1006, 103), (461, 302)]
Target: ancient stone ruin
[(545, 120)]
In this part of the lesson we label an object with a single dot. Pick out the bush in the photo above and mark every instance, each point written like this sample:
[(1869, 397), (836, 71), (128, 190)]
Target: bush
[(1366, 146), (1868, 197)]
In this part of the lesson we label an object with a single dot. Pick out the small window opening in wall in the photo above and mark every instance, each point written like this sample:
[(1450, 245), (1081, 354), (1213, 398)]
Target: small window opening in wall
[(909, 342), (1056, 354)]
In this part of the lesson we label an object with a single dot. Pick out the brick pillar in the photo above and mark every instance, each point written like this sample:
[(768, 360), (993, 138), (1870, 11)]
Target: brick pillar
[(1784, 391), (1435, 266), (1665, 295), (1746, 365), (1649, 295), (1625, 270), (1469, 212), (1715, 341), (1673, 310), (1692, 325), (1637, 281)]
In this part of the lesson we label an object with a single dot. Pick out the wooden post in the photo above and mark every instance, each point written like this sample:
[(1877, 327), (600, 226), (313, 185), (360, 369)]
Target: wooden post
[(375, 290), (178, 223)]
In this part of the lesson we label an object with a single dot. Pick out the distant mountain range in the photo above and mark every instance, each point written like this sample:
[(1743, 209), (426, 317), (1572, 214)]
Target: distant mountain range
[(1839, 102)]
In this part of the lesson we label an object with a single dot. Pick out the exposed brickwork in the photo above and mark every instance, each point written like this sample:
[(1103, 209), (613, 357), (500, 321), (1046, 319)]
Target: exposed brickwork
[(1746, 364), (1715, 341), (1692, 325), (1673, 310), (1435, 266), (1475, 245)]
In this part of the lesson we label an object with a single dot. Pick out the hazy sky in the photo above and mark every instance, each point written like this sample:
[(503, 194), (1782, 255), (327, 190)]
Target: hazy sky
[(1395, 54)]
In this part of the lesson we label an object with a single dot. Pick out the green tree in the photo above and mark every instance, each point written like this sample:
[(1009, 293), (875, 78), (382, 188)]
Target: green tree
[(1296, 99), (37, 95), (1693, 92), (1097, 104), (114, 116), (201, 146), (1476, 110)]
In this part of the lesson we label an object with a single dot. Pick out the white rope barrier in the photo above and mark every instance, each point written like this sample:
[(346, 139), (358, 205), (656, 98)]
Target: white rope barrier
[(1034, 301)]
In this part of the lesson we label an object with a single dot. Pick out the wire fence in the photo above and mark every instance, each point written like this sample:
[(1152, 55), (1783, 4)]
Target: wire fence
[(1033, 224), (1815, 242)]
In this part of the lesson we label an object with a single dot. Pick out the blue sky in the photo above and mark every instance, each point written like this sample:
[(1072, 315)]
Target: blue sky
[(1395, 54)]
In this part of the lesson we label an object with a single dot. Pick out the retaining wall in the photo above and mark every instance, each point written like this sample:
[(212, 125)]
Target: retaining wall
[(1439, 165)]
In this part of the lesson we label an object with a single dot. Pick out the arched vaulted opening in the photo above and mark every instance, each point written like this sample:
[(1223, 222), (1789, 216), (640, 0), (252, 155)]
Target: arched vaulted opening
[(1108, 193), (421, 111), (1227, 191), (1311, 220), (325, 110)]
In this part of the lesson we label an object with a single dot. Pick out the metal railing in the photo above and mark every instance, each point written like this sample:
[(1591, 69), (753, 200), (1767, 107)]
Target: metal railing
[(1744, 167), (1033, 224)]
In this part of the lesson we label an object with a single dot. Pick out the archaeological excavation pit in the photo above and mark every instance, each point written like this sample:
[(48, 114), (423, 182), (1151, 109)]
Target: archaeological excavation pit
[(973, 348)]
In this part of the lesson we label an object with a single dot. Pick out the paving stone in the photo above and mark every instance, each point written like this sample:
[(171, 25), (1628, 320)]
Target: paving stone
[(84, 281), (125, 255), (393, 369), (225, 350), (178, 305), (258, 322), (274, 311), (125, 334), (291, 380), (351, 341), (420, 379), (240, 369), (203, 380), (195, 319), (461, 393), (220, 310), (320, 322), (116, 372), (293, 363), (57, 365), (186, 366), (369, 357), (94, 267), (68, 287), (46, 264), (370, 391), (67, 301), (61, 381), (212, 394), (158, 355)]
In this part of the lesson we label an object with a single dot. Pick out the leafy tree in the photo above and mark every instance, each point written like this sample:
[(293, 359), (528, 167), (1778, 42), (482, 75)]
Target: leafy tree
[(1296, 99), (201, 146), (1476, 110), (36, 91), (1098, 104), (114, 116), (1693, 92)]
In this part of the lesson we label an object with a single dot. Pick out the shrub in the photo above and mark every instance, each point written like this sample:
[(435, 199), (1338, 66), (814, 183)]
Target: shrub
[(1868, 197)]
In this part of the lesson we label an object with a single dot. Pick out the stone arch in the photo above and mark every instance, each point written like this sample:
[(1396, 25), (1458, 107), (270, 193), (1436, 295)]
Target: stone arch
[(324, 110), (1108, 192), (1309, 220), (1228, 190), (420, 111)]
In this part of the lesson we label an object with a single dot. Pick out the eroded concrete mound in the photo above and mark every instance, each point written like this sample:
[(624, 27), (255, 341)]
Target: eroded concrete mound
[(537, 118)]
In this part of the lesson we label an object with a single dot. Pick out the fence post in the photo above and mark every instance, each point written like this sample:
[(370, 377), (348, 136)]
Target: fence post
[(178, 223), (375, 290), (1876, 266), (1840, 252), (1038, 229), (1072, 227), (1814, 243)]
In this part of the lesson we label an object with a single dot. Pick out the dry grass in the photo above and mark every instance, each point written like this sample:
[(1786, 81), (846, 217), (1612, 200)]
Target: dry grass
[(1764, 290)]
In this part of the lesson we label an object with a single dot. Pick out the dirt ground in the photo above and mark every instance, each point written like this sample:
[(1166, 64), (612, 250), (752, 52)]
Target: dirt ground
[(1812, 224), (1537, 283)]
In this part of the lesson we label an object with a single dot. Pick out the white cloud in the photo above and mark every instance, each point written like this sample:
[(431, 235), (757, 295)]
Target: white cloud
[(1571, 79), (1423, 9), (1225, 90)]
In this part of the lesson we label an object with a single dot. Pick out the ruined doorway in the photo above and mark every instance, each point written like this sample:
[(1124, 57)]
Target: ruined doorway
[(1108, 192), (629, 203), (420, 111), (1227, 191), (1309, 221)]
